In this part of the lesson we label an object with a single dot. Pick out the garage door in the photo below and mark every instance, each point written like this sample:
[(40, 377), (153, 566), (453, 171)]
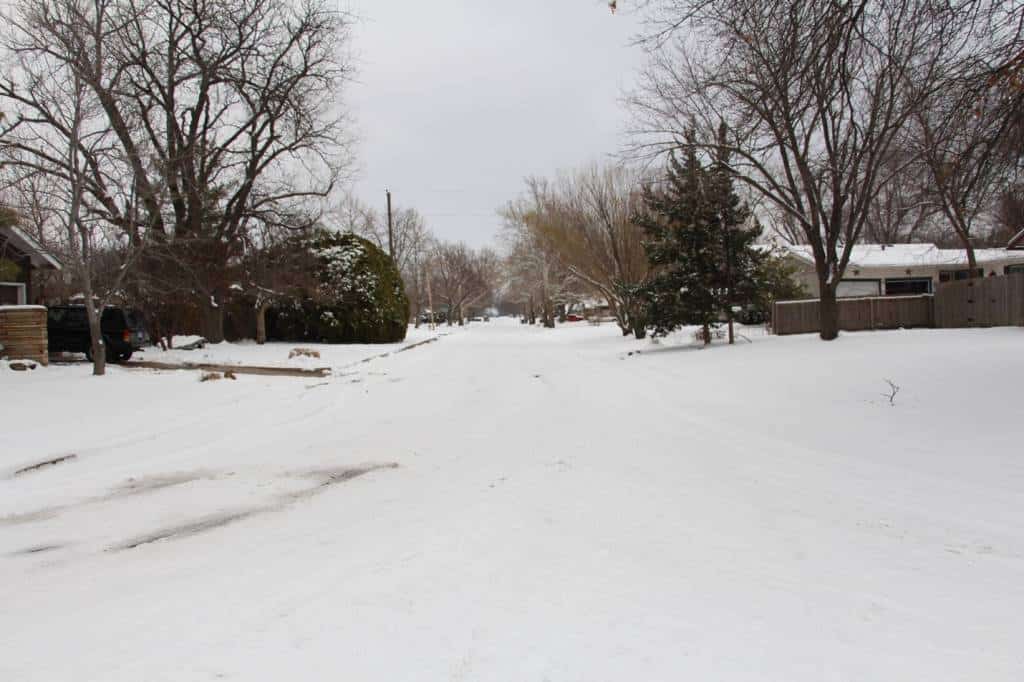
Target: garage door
[(852, 288)]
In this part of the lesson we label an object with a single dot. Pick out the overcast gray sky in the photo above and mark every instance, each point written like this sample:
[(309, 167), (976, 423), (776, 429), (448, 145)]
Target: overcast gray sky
[(458, 100)]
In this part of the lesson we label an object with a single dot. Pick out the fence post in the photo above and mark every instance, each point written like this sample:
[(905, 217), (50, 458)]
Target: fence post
[(1006, 301)]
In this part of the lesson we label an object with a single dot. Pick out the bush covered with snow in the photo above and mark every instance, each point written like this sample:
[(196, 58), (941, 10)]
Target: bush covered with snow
[(354, 294)]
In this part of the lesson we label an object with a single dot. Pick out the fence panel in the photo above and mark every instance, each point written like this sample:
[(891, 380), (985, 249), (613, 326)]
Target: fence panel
[(855, 314), (988, 302), (23, 333), (982, 302), (894, 312), (795, 317)]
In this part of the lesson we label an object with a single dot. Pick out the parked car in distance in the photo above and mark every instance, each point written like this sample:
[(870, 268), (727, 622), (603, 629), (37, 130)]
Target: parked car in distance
[(574, 317), (123, 329), (437, 318)]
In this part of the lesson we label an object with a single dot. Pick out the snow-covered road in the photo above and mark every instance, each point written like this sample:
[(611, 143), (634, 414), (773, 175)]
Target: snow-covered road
[(512, 503)]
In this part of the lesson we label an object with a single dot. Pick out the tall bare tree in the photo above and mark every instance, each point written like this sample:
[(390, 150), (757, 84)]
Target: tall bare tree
[(813, 93), (223, 111), (584, 220), (58, 146), (959, 135), (535, 274)]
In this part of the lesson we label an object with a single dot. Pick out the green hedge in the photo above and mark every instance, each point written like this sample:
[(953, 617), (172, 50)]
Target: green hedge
[(355, 294)]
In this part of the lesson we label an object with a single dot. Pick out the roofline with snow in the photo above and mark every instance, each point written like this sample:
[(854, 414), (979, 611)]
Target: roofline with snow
[(1017, 242), (1010, 253), (33, 249)]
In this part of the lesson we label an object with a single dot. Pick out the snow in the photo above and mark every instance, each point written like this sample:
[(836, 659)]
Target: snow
[(513, 503), (911, 255), (275, 354), (8, 308)]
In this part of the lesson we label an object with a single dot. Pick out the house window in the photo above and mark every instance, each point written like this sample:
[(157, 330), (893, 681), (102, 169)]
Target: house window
[(1014, 269), (957, 275), (12, 293), (908, 286)]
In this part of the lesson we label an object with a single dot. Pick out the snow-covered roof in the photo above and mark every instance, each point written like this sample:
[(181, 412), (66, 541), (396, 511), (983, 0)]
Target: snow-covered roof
[(1017, 242), (911, 255), (24, 242)]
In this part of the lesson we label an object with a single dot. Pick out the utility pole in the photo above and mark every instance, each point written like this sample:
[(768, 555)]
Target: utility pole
[(391, 232)]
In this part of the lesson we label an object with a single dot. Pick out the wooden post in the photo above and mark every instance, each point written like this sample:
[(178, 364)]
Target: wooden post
[(391, 233)]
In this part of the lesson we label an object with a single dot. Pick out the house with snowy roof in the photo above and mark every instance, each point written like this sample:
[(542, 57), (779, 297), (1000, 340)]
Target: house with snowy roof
[(21, 257), (903, 269)]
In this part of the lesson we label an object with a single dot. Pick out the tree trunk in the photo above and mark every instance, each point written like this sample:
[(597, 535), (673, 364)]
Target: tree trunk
[(75, 224), (972, 260), (706, 333), (212, 322), (637, 319), (621, 317), (99, 348), (261, 322), (419, 297), (430, 302), (828, 312)]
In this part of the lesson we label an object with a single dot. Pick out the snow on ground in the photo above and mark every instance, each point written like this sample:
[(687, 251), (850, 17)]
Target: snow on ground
[(514, 503), (275, 354)]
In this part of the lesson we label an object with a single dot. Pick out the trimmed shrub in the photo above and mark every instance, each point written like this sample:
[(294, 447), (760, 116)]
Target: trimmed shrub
[(354, 294)]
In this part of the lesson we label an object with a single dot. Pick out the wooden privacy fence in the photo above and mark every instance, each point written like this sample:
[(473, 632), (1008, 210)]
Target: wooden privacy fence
[(23, 333), (855, 314), (981, 302)]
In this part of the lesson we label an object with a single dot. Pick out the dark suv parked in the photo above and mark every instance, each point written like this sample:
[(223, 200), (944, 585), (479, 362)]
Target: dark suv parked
[(123, 330)]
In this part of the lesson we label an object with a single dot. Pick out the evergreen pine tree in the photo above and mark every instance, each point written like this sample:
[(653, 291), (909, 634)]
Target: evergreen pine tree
[(699, 243)]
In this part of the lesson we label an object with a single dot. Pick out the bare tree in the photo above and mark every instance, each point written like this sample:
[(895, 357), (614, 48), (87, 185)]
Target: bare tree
[(1009, 215), (901, 210), (222, 112), (585, 220), (462, 277), (533, 269), (814, 94), (59, 146), (959, 135)]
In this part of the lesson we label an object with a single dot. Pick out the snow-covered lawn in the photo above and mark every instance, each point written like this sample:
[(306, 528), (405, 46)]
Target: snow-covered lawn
[(513, 503), (275, 354)]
